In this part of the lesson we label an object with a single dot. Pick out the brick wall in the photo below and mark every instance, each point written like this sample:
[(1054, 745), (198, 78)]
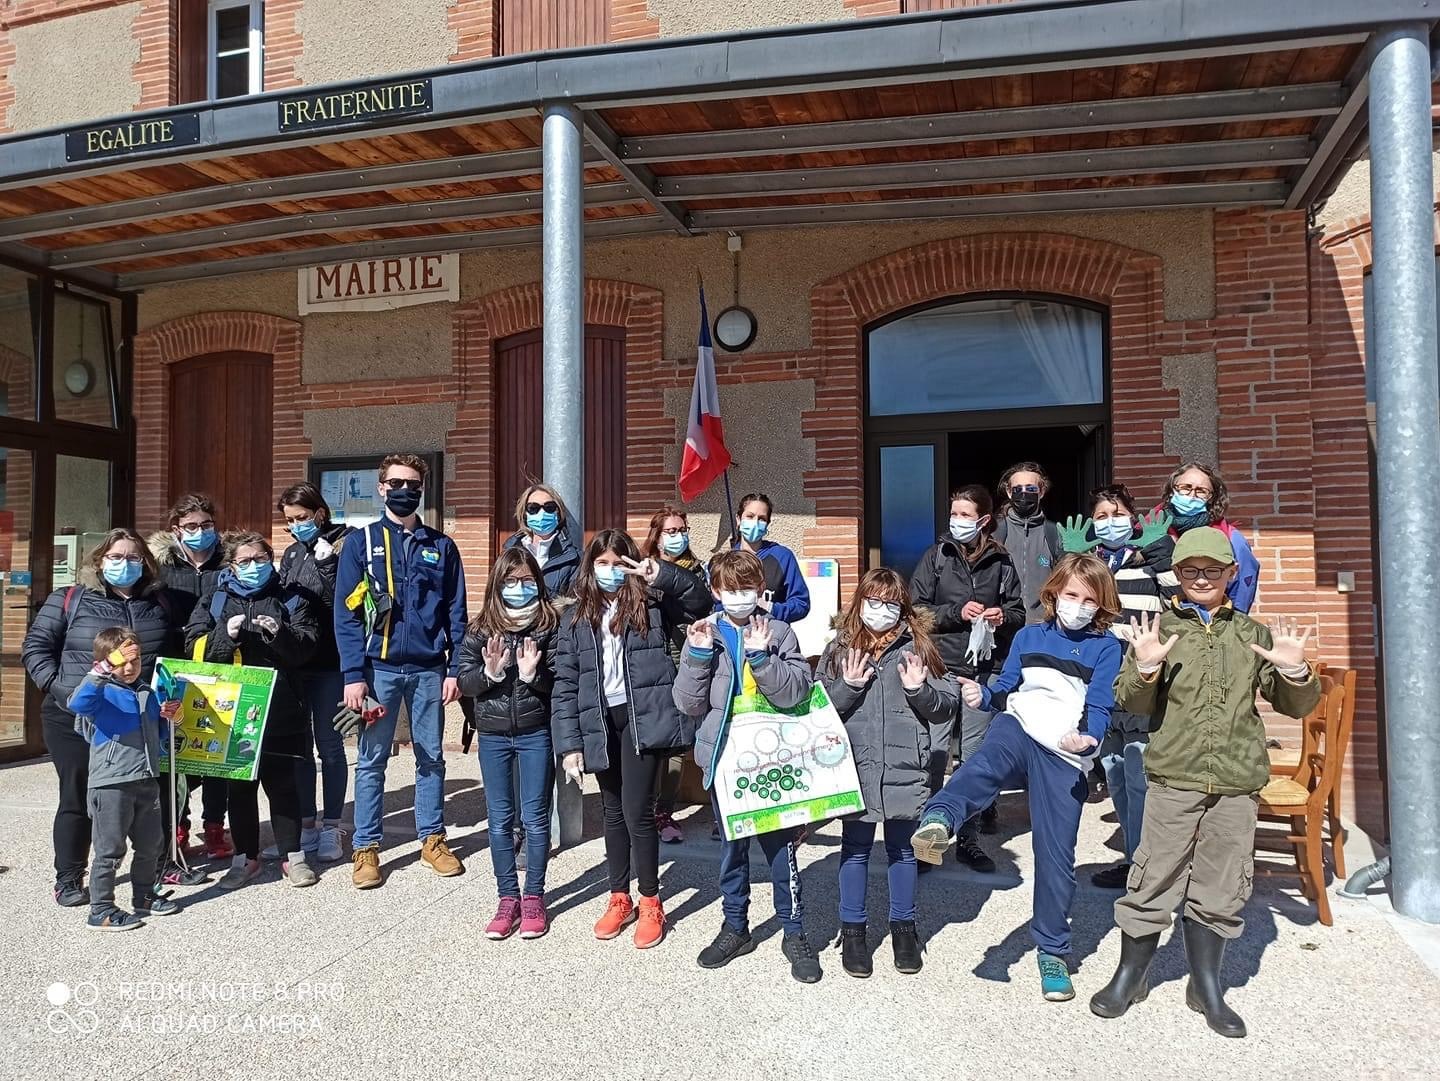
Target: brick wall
[(475, 23), (282, 44)]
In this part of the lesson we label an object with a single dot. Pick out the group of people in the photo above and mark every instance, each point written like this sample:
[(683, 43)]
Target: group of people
[(1024, 650)]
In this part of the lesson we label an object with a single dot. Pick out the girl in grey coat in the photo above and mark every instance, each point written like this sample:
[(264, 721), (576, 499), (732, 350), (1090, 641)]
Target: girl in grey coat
[(898, 703)]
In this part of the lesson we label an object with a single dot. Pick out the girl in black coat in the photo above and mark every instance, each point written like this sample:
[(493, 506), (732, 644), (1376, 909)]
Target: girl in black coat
[(507, 664), (248, 613), (613, 714), (119, 586)]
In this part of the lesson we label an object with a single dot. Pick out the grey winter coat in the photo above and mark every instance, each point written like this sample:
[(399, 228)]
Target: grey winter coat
[(892, 731), (704, 686)]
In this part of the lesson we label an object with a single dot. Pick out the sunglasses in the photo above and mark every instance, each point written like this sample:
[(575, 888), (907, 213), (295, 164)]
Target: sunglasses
[(1030, 488), (549, 507), (1194, 574), (396, 483)]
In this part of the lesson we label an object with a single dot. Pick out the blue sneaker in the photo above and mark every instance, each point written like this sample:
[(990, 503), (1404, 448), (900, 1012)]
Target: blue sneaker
[(113, 919), (1055, 982), (154, 904), (932, 838)]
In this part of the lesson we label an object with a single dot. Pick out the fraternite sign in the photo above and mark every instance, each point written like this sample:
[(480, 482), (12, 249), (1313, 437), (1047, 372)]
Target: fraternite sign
[(368, 285)]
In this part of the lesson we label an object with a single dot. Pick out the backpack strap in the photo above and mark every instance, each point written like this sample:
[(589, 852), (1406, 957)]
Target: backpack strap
[(217, 604), (69, 608)]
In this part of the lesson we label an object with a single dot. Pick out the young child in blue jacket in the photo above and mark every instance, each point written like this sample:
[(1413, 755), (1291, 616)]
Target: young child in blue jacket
[(121, 719), (1056, 693)]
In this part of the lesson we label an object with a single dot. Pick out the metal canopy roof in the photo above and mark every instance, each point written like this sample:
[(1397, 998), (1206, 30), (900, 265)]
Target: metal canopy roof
[(1058, 105)]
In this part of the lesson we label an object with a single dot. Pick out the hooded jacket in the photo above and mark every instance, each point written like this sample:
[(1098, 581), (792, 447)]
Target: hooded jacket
[(122, 725), (789, 595), (186, 582), (893, 731), (561, 562), (946, 579), (307, 569)]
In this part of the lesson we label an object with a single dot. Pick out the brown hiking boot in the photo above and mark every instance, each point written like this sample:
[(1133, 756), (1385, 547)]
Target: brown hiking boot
[(435, 852), (365, 873)]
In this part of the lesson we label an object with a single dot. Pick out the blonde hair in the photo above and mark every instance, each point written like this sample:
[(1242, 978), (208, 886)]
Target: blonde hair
[(1095, 576)]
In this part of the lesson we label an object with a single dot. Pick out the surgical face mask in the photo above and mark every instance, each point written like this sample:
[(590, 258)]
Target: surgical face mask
[(1025, 503), (880, 616), (402, 502), (519, 594), (609, 577), (198, 540), (121, 572), (738, 603), (1115, 531), (1074, 615), (305, 531), (753, 529), (544, 523), (674, 544), (1186, 505), (253, 575), (964, 529)]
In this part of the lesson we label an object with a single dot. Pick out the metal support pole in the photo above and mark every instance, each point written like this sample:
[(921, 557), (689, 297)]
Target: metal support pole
[(564, 355), (1402, 197)]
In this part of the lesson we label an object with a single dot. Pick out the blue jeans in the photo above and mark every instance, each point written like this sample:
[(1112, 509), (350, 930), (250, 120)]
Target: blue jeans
[(324, 692), (1125, 778), (420, 691), (498, 756), (779, 849), (856, 840)]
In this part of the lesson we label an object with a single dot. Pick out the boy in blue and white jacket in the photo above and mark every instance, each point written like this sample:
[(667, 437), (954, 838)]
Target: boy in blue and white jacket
[(1056, 693), (121, 719)]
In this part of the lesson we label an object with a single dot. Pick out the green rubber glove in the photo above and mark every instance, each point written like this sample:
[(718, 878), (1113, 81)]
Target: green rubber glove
[(1073, 535)]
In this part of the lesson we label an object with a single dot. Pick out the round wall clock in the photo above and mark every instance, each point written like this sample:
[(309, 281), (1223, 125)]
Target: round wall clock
[(735, 328)]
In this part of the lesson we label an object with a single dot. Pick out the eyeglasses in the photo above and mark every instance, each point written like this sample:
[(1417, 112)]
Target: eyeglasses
[(197, 528), (549, 507), (674, 532), (1194, 574), (126, 559), (396, 483), (1031, 489), (254, 561), (1195, 491), (510, 583)]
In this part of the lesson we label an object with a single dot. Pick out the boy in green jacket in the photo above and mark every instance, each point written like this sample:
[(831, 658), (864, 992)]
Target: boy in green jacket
[(1195, 669)]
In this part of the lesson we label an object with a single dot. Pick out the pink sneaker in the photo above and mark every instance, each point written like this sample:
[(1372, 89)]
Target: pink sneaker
[(669, 829), (534, 921), (503, 925)]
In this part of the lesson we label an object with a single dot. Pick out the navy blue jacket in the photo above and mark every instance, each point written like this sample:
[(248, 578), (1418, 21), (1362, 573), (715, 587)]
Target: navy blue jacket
[(561, 563), (789, 595), (427, 585)]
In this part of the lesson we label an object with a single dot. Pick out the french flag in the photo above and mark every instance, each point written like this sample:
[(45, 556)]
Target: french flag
[(705, 456)]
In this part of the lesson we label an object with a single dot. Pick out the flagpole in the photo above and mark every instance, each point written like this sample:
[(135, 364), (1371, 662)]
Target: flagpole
[(729, 503)]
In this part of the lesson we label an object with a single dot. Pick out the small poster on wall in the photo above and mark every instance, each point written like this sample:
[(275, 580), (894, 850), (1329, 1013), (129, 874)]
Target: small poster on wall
[(348, 486)]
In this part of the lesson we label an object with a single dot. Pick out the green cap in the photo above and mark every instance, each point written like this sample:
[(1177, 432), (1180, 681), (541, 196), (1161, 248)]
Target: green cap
[(1205, 541)]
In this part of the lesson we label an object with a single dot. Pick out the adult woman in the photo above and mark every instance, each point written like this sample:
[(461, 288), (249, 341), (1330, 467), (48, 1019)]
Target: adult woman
[(669, 541), (1022, 529), (786, 596), (612, 710), (248, 613), (545, 531), (965, 577), (307, 571), (119, 586), (1196, 495)]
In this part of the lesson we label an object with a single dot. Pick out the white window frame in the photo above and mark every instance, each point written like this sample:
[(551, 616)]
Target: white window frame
[(256, 43)]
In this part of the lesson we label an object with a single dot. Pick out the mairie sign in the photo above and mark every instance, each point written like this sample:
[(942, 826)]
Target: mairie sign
[(132, 137), (333, 108)]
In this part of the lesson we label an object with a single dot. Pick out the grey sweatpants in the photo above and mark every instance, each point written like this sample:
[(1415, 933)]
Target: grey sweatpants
[(128, 811)]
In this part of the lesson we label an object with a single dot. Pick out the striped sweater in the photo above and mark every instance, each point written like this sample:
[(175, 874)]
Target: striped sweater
[(1057, 681), (1143, 578)]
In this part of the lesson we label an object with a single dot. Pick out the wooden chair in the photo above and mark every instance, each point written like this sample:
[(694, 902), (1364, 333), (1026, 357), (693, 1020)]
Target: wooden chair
[(1287, 763), (1312, 792)]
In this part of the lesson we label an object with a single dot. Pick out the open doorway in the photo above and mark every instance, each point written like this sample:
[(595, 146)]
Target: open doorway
[(1072, 456)]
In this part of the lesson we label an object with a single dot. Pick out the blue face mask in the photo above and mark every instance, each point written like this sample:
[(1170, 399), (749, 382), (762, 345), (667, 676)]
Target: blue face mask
[(254, 575), (121, 573), (202, 540), (1115, 531), (609, 578), (520, 594), (753, 529), (1186, 505), (544, 523), (675, 544), (305, 531)]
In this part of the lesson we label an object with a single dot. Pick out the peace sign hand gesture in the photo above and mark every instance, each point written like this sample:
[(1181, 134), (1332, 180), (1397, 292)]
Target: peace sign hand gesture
[(1287, 648), (1150, 651), (497, 657), (648, 569), (757, 635)]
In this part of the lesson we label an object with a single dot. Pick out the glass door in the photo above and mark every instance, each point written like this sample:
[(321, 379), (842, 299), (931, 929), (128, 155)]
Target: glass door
[(906, 477)]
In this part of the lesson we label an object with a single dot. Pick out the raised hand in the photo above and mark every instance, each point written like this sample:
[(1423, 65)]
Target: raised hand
[(1150, 651), (1287, 647), (527, 659), (1152, 527), (913, 672), (1073, 535), (130, 650), (1076, 743), (233, 625), (648, 569), (757, 635), (701, 635), (856, 668), (496, 654), (269, 624), (971, 693)]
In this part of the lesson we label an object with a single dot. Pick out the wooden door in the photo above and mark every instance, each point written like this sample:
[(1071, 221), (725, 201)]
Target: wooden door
[(220, 436)]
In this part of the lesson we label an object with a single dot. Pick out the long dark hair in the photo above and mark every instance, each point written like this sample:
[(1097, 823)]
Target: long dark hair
[(745, 501), (883, 584), (494, 615), (634, 594), (308, 496)]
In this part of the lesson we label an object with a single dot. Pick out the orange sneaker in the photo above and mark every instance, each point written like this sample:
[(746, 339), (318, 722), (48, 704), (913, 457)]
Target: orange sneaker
[(619, 914), (651, 928)]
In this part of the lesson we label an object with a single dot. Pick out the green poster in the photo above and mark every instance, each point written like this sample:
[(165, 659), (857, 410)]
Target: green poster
[(222, 716)]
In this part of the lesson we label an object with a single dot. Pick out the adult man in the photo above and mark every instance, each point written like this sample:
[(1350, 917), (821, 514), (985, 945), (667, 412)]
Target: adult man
[(399, 621)]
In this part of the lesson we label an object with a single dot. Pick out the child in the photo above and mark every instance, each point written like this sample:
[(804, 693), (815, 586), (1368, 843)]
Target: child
[(121, 720), (885, 676), (507, 664), (1055, 691), (1195, 669), (738, 644)]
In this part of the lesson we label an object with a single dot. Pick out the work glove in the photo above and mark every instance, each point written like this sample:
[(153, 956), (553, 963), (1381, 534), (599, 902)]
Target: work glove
[(349, 721)]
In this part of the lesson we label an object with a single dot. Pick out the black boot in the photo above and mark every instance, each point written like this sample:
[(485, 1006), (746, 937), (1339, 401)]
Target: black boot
[(1128, 986), (969, 852), (906, 944), (855, 950), (1203, 994)]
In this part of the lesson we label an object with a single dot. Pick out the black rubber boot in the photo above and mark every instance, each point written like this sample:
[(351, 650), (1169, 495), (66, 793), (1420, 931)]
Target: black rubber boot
[(1129, 984), (855, 950), (1203, 994), (906, 944)]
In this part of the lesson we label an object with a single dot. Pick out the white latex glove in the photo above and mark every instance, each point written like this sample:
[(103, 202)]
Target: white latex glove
[(982, 642), (1075, 743), (574, 766), (268, 624), (233, 625), (323, 550), (971, 693)]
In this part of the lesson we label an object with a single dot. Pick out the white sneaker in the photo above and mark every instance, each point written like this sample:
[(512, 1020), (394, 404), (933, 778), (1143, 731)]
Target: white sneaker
[(241, 871), (299, 873), (332, 844)]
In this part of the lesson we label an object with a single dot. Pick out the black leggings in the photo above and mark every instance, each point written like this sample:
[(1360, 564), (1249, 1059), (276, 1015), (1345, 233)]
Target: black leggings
[(627, 790), (277, 775), (70, 755)]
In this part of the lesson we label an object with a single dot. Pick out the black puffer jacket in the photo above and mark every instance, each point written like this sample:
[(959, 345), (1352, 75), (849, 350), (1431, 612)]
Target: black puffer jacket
[(512, 706), (59, 647), (561, 562), (186, 582), (307, 570), (947, 578), (578, 708)]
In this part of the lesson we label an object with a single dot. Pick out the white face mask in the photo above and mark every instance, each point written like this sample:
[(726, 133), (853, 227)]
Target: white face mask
[(1074, 615), (738, 603), (880, 616), (964, 529)]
